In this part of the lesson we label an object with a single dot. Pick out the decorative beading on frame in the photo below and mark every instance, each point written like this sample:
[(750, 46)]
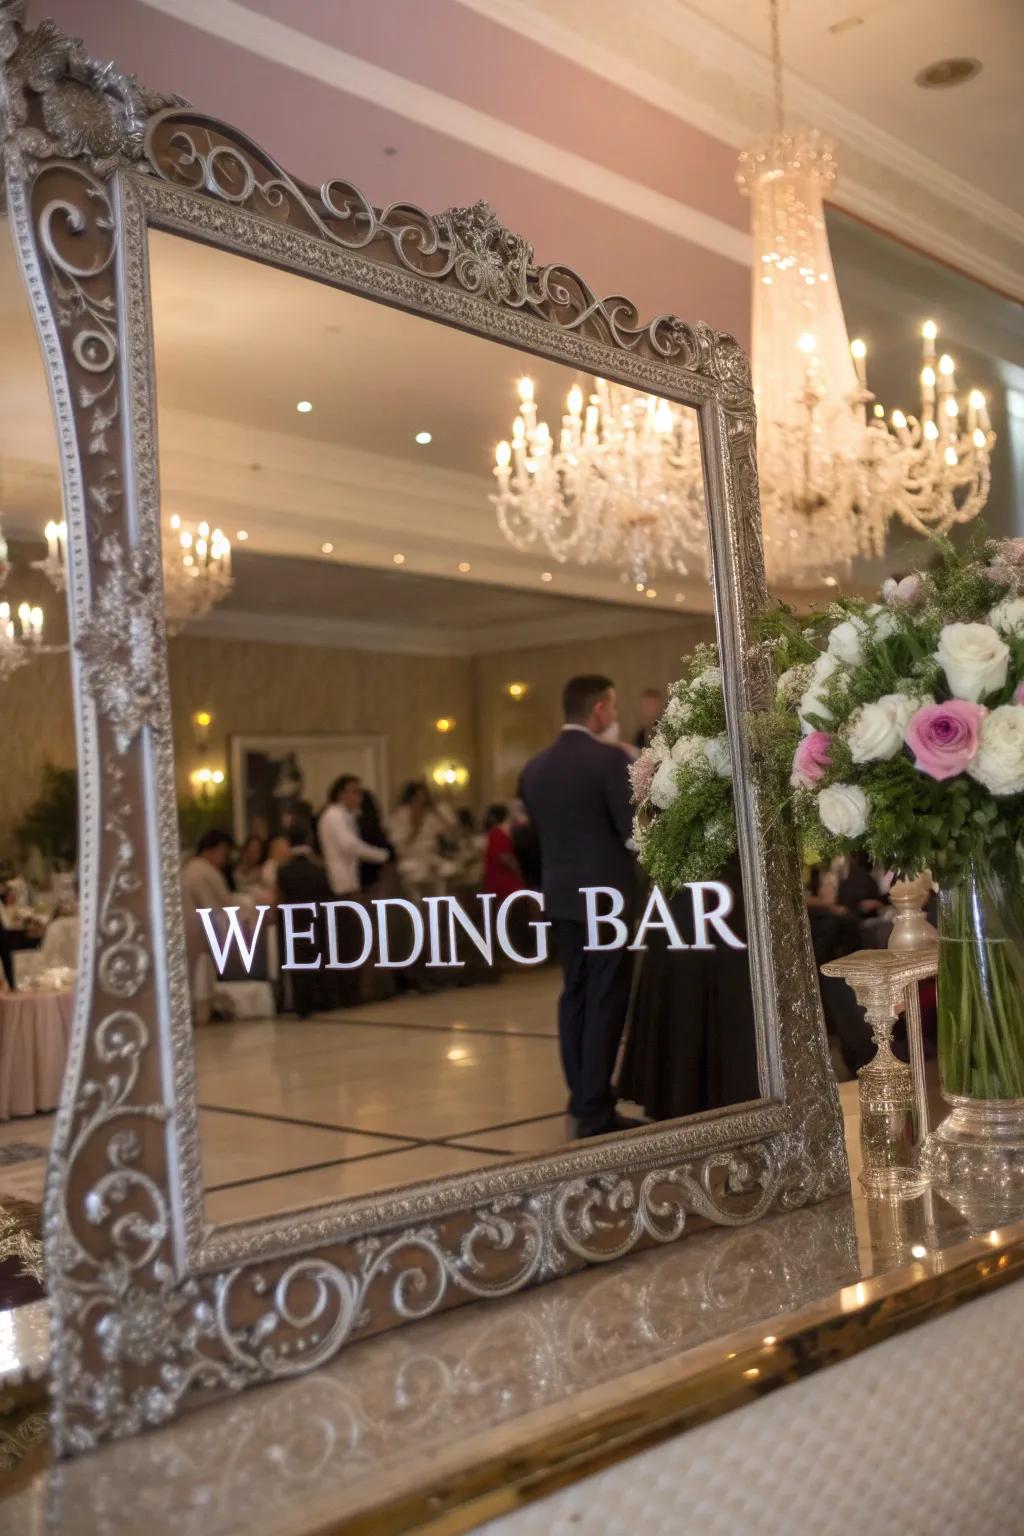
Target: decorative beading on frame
[(150, 1309)]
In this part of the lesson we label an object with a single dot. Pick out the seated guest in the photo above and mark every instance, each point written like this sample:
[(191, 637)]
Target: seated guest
[(18, 930), (249, 865), (204, 884), (341, 846), (302, 878), (204, 878)]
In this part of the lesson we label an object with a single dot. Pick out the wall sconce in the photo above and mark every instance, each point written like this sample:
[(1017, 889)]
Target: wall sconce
[(201, 722), (444, 724), (450, 776), (206, 781), (517, 691)]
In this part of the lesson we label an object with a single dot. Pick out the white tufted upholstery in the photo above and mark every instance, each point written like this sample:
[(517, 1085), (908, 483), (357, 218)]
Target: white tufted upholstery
[(919, 1436)]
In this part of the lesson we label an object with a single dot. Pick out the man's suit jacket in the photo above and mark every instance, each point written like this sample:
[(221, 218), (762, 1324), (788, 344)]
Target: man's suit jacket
[(578, 798)]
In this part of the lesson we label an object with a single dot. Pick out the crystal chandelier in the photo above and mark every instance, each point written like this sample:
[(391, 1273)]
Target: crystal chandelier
[(623, 484), (833, 472), (197, 572), (21, 636)]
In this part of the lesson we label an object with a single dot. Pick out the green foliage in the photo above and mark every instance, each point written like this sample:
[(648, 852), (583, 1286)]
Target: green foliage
[(51, 821), (694, 838)]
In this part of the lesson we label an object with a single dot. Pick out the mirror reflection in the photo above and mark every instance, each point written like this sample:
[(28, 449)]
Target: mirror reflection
[(423, 623)]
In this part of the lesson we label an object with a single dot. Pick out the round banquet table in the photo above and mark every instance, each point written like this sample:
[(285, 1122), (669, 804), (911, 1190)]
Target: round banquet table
[(35, 1028)]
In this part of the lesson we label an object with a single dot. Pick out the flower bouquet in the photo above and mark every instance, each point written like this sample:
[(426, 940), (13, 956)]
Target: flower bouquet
[(897, 729), (685, 827)]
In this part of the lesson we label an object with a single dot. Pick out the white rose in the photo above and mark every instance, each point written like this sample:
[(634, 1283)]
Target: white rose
[(845, 642), (716, 750), (843, 809), (875, 732), (973, 658), (664, 788), (999, 763), (658, 747), (1008, 616), (811, 702)]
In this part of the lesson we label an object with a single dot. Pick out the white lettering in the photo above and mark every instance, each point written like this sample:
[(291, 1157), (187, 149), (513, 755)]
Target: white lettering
[(288, 910), (716, 917), (658, 914), (433, 905), (333, 962), (596, 919), (235, 935), (416, 919), (484, 941), (541, 930)]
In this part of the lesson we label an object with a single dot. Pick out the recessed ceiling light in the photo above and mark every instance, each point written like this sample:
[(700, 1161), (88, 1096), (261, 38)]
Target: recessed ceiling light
[(464, 567), (831, 581), (546, 576), (304, 407), (650, 592), (945, 73), (398, 559), (680, 597), (241, 535), (327, 549), (423, 438)]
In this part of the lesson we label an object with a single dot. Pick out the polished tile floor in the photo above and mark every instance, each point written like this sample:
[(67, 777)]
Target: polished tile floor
[(294, 1113)]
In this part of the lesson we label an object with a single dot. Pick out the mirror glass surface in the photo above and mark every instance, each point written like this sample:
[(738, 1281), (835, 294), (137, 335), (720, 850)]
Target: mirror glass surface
[(371, 620)]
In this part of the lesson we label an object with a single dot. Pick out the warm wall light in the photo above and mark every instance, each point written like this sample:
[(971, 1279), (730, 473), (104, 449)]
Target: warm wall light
[(450, 775), (201, 722), (444, 725), (517, 690), (206, 780)]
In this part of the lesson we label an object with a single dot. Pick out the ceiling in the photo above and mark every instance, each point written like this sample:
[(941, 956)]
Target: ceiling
[(864, 56)]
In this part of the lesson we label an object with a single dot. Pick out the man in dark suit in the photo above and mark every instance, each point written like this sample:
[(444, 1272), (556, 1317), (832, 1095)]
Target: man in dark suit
[(302, 878), (578, 798)]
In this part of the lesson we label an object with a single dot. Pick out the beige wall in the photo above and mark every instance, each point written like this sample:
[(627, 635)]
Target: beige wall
[(255, 687), (512, 730)]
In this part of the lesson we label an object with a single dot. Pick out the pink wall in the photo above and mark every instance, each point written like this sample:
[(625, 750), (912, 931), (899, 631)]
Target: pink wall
[(318, 131)]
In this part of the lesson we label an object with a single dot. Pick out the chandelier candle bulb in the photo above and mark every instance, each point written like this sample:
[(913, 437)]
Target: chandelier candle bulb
[(858, 351)]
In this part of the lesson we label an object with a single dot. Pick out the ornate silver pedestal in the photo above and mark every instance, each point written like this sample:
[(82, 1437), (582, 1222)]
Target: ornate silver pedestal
[(893, 1096)]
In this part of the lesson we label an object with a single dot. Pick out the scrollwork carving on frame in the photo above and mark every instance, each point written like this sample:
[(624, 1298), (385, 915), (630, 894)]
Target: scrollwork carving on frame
[(151, 1309)]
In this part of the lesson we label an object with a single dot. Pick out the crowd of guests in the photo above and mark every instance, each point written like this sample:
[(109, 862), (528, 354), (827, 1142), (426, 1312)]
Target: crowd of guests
[(350, 849)]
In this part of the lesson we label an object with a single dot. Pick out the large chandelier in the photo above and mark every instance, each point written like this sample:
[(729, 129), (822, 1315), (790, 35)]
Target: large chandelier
[(623, 483), (197, 571), (834, 473), (621, 486)]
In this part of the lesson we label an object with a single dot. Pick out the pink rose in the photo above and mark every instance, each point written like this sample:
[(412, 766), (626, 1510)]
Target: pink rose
[(944, 737), (811, 759), (906, 593), (1018, 693), (641, 772)]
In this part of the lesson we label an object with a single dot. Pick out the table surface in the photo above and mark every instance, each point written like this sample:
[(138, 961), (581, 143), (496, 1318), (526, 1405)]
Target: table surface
[(445, 1423)]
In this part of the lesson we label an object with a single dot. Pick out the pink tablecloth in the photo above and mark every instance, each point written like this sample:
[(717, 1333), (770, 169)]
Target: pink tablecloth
[(35, 1028)]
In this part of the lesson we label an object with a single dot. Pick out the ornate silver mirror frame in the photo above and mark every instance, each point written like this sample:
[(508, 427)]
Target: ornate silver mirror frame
[(151, 1308)]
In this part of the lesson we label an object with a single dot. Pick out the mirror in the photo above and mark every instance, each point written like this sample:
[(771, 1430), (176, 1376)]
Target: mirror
[(372, 621), (266, 1186)]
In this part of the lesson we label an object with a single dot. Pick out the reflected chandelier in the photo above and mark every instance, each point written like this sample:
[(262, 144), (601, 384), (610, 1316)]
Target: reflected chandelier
[(197, 572), (622, 485)]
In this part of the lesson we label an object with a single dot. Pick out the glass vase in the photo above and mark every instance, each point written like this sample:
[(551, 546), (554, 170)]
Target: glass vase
[(976, 1156)]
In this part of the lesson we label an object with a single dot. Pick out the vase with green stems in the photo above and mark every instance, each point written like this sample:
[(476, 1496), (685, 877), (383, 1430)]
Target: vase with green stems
[(978, 1150)]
